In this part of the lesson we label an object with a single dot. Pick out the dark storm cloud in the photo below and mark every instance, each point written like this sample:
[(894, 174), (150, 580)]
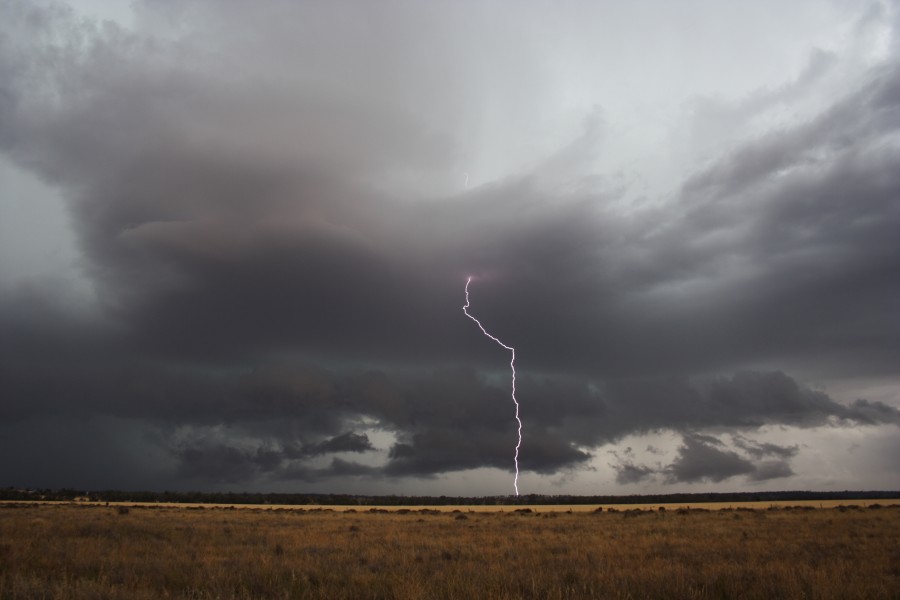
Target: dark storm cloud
[(208, 243), (223, 426), (746, 400), (213, 458), (222, 463), (346, 442), (701, 458), (706, 458), (760, 450), (454, 420), (631, 473), (771, 469), (294, 205)]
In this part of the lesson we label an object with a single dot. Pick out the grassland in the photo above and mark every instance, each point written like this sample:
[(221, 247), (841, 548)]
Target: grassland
[(78, 551)]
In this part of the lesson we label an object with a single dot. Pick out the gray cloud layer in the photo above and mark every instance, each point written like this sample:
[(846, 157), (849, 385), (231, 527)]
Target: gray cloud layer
[(268, 224), (706, 458)]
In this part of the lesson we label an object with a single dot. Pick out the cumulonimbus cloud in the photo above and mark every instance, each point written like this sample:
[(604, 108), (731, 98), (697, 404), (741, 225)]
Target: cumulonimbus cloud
[(280, 247)]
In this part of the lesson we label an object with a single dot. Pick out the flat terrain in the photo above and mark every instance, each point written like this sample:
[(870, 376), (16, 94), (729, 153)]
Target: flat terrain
[(90, 551)]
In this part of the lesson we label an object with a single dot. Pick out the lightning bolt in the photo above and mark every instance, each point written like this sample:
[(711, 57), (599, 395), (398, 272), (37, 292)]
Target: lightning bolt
[(512, 366)]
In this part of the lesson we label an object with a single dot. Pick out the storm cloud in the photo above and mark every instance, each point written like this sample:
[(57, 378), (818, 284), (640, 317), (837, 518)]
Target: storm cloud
[(275, 207)]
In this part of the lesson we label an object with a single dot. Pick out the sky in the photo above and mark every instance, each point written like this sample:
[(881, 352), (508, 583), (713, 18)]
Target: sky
[(235, 238)]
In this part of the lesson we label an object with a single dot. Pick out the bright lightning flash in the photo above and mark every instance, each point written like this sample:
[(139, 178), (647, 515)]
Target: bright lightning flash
[(512, 365)]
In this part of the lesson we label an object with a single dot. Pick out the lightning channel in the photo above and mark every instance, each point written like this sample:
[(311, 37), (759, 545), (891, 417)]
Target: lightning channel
[(512, 366)]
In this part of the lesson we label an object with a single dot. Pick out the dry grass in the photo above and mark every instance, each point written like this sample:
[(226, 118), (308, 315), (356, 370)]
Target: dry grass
[(70, 551)]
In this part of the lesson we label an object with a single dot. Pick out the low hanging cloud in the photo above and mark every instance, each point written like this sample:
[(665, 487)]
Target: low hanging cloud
[(268, 423), (706, 458), (628, 472), (764, 449), (346, 442), (703, 457), (216, 463)]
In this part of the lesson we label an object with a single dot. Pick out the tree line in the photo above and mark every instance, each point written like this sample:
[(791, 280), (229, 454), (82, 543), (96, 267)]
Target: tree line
[(300, 499)]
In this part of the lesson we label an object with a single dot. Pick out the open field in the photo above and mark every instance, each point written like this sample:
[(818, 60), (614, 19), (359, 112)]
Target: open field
[(85, 551)]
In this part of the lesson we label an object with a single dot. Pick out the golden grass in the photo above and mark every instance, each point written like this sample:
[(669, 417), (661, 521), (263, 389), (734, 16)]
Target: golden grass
[(71, 551)]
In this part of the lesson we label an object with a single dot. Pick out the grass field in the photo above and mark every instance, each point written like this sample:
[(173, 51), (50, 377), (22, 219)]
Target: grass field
[(78, 551)]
